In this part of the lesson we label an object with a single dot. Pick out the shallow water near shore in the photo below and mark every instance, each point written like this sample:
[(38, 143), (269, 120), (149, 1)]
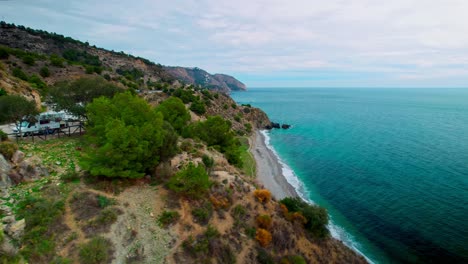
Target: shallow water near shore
[(390, 165)]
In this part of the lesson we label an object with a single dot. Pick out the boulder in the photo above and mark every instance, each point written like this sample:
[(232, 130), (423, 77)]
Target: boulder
[(8, 219), (275, 125), (16, 230), (29, 171), (18, 157), (285, 126), (5, 168)]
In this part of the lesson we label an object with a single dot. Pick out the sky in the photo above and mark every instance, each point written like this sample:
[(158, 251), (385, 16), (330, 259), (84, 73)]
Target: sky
[(273, 43)]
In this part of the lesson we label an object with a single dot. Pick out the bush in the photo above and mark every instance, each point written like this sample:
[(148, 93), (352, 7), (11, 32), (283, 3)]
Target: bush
[(216, 132), (3, 135), (263, 257), (295, 259), (95, 251), (264, 221), (7, 149), (208, 162), (29, 60), (18, 73), (3, 92), (168, 217), (56, 61), (263, 237), (4, 54), (193, 182), (44, 72), (70, 176), (316, 217), (262, 195), (203, 213), (198, 107)]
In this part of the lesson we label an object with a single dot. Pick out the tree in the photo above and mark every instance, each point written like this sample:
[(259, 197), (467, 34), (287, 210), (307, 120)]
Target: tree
[(124, 137), (74, 96), (174, 112), (14, 108)]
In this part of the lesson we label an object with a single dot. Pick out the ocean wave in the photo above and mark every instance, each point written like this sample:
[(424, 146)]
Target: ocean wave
[(336, 231)]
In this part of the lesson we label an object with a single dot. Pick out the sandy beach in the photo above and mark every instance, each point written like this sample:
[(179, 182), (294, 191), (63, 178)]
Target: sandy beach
[(269, 170)]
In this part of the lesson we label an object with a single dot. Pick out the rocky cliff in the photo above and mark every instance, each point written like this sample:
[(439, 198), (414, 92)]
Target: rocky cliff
[(197, 76)]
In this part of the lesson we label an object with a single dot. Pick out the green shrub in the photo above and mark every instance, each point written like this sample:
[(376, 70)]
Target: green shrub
[(56, 60), (316, 216), (3, 135), (7, 149), (203, 213), (208, 162), (198, 107), (234, 105), (103, 201), (29, 60), (295, 259), (216, 132), (95, 251), (263, 257), (44, 72), (168, 217), (18, 73), (4, 53), (37, 82), (3, 92), (193, 182), (70, 176)]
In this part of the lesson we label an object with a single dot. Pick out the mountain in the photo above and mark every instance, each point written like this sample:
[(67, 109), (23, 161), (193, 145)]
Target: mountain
[(136, 72), (199, 76)]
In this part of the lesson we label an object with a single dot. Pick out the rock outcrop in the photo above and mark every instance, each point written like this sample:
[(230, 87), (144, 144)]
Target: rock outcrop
[(197, 76)]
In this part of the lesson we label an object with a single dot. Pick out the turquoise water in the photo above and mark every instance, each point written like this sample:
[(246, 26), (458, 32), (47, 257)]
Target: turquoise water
[(390, 165)]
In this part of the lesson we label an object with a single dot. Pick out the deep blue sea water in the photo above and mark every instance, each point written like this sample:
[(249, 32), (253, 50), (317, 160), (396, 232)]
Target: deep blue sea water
[(390, 165)]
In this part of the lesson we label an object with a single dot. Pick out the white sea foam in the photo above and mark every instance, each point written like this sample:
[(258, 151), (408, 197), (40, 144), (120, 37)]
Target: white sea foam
[(336, 231)]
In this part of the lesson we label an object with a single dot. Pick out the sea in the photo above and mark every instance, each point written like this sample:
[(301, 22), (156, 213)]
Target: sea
[(389, 165)]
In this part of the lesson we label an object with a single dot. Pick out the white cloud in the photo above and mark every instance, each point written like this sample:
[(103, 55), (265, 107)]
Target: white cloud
[(399, 38)]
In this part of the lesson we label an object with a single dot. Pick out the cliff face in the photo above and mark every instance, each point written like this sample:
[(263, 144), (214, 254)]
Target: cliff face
[(197, 76)]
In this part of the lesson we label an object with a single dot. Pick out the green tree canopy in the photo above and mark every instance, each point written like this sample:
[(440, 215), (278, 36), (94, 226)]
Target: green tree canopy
[(174, 112), (74, 96), (124, 136), (14, 108)]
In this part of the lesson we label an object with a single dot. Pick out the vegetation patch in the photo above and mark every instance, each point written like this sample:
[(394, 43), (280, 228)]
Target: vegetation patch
[(167, 218), (202, 214), (102, 222), (98, 250), (316, 217), (192, 182)]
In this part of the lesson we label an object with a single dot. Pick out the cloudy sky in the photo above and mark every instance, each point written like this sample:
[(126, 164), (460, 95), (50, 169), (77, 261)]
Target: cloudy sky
[(309, 43)]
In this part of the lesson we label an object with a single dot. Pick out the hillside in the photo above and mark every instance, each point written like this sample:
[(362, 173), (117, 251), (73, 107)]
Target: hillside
[(80, 58), (163, 175)]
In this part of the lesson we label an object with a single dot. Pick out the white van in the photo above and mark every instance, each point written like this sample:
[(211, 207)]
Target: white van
[(44, 123)]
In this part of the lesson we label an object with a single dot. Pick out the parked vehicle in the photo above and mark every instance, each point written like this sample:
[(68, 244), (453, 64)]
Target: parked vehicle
[(44, 123)]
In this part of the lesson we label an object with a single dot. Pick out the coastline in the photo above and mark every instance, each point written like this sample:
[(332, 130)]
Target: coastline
[(271, 175), (269, 169)]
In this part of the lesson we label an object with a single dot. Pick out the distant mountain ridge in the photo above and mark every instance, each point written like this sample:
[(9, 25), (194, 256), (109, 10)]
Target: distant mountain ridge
[(199, 76), (43, 42)]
